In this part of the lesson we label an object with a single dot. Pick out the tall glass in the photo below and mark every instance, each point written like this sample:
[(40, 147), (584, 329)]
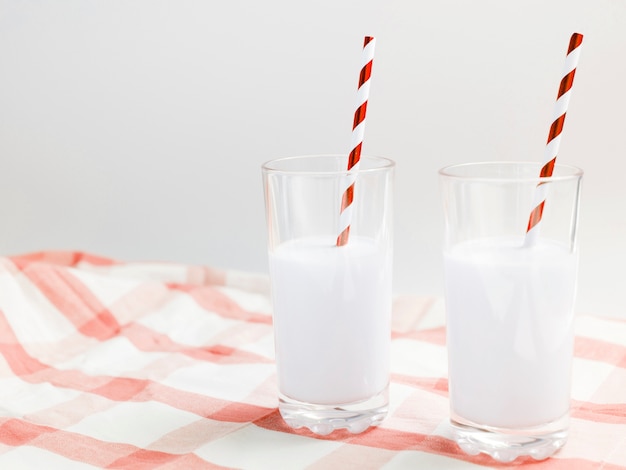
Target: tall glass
[(510, 305), (331, 304)]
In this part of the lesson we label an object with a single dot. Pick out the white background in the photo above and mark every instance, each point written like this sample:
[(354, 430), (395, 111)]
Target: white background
[(136, 129)]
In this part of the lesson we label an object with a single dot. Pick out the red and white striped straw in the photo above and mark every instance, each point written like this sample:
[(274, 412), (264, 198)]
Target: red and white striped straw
[(358, 129), (554, 136)]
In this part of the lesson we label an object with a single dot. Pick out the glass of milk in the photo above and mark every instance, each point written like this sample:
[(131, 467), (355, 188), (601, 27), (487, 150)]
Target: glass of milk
[(509, 305), (331, 304)]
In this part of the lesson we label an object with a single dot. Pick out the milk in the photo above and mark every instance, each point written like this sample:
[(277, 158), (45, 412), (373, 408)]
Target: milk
[(510, 341), (332, 314)]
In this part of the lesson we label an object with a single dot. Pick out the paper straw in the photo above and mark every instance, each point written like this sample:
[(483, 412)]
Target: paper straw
[(358, 128), (554, 136)]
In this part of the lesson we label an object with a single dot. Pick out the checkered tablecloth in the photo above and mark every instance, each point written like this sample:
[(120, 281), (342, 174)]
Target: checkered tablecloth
[(152, 365)]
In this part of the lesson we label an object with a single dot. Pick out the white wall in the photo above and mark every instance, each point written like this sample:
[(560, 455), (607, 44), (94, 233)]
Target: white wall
[(135, 129)]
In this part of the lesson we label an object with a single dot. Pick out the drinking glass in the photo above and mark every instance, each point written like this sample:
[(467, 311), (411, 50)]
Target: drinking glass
[(509, 296), (331, 304)]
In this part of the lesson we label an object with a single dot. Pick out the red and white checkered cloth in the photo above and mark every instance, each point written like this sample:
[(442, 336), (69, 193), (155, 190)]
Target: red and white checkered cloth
[(154, 365)]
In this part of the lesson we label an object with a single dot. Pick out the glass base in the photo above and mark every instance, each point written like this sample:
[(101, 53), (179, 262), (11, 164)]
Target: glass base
[(324, 419), (505, 445)]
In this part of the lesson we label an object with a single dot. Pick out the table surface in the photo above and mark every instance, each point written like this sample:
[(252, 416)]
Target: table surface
[(161, 365)]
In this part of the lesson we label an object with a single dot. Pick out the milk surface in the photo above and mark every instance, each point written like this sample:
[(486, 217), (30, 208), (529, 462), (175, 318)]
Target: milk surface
[(332, 319), (510, 338)]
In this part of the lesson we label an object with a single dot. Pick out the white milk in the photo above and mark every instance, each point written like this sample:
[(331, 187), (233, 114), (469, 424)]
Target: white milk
[(332, 319), (510, 340)]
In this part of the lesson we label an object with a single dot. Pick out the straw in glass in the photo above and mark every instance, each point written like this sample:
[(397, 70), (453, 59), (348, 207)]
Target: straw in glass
[(554, 136), (358, 128)]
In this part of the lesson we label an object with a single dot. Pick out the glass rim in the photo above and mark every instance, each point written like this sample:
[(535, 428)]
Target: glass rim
[(272, 166), (450, 171)]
